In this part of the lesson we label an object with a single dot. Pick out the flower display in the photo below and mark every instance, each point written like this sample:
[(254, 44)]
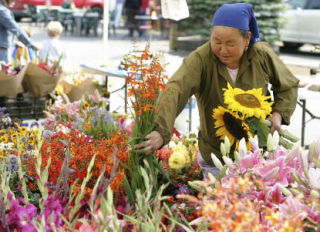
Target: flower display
[(82, 172), (228, 206)]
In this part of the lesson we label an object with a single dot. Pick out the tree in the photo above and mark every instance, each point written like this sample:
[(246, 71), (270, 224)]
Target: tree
[(267, 12)]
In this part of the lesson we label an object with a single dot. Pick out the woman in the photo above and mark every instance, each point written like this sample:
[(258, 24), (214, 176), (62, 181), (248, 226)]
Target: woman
[(7, 26), (232, 55)]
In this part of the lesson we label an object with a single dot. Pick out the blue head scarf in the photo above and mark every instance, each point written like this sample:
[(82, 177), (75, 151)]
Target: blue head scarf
[(238, 15)]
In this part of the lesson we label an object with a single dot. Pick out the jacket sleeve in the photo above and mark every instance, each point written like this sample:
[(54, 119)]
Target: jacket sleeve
[(284, 86), (180, 87), (10, 24)]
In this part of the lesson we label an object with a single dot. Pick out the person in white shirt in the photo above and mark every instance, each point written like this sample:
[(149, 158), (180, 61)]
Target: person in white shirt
[(52, 48)]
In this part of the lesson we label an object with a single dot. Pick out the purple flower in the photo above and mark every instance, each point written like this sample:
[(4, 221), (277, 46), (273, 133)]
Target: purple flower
[(19, 218), (184, 189), (52, 207)]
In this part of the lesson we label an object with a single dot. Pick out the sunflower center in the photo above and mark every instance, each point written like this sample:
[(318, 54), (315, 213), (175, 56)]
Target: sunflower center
[(234, 126), (248, 100)]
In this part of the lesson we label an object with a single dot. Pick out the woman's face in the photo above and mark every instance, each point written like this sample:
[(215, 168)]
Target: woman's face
[(228, 45)]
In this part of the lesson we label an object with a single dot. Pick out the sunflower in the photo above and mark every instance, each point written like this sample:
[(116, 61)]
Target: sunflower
[(249, 103), (231, 125)]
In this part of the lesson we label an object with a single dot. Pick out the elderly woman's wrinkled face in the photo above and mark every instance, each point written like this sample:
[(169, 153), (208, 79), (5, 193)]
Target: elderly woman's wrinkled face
[(228, 45)]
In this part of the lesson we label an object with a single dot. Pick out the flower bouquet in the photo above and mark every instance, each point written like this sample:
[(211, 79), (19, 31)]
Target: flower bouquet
[(179, 159), (146, 80), (11, 77), (77, 86), (245, 117), (42, 77)]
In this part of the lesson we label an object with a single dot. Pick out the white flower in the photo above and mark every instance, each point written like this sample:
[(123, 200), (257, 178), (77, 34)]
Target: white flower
[(171, 144), (314, 177), (242, 148), (275, 139), (216, 161), (228, 161)]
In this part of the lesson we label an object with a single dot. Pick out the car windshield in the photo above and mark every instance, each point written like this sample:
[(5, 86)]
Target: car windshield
[(295, 4)]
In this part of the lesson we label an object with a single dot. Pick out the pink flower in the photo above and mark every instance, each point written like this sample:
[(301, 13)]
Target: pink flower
[(251, 160), (291, 207), (85, 227), (274, 195), (280, 176)]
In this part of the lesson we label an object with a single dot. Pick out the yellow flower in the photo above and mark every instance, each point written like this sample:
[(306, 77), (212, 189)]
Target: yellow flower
[(180, 148), (4, 138), (249, 103), (274, 218), (287, 227), (59, 89), (177, 161), (231, 125)]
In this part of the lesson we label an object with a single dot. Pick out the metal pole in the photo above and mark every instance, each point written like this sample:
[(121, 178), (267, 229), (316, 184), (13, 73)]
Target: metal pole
[(303, 120), (105, 30)]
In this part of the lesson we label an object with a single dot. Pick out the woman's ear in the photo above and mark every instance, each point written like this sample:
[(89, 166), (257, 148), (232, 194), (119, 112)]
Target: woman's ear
[(248, 39)]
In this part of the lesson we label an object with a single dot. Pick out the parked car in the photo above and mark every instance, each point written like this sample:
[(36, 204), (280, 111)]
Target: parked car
[(22, 8), (302, 23)]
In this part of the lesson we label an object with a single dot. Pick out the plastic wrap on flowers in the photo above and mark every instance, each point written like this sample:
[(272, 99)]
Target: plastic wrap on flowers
[(75, 92), (10, 84), (39, 81)]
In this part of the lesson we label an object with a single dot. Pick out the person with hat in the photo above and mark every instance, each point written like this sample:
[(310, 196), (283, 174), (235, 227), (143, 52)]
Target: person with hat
[(9, 26), (232, 55)]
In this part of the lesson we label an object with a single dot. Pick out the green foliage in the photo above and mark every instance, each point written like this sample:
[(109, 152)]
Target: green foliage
[(267, 13)]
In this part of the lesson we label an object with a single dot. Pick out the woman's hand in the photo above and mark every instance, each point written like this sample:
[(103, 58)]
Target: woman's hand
[(153, 142), (275, 120)]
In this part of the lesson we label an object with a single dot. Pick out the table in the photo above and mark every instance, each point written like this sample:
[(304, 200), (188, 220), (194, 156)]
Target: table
[(110, 72), (146, 18), (61, 13), (305, 93), (124, 74)]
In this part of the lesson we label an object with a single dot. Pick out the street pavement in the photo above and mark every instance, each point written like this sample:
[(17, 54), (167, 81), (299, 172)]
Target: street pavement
[(91, 50)]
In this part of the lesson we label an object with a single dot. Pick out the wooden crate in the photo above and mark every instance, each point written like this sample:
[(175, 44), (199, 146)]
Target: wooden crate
[(24, 107)]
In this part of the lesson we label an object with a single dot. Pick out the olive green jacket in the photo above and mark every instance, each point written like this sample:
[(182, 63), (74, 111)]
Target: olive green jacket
[(203, 75)]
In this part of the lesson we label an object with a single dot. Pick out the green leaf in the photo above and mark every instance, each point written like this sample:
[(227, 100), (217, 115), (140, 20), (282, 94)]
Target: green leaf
[(257, 127)]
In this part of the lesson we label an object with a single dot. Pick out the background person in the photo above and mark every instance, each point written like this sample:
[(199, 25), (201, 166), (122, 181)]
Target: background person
[(8, 26), (22, 52), (232, 55), (52, 48), (132, 8)]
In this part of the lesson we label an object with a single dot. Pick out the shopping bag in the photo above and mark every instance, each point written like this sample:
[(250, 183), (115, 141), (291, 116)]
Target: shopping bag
[(38, 81), (174, 9), (11, 85)]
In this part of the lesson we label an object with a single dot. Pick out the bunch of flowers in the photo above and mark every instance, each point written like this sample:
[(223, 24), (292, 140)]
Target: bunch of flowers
[(179, 159), (145, 81), (53, 67), (78, 149), (288, 176), (88, 114), (10, 69), (18, 134), (245, 117), (229, 206)]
